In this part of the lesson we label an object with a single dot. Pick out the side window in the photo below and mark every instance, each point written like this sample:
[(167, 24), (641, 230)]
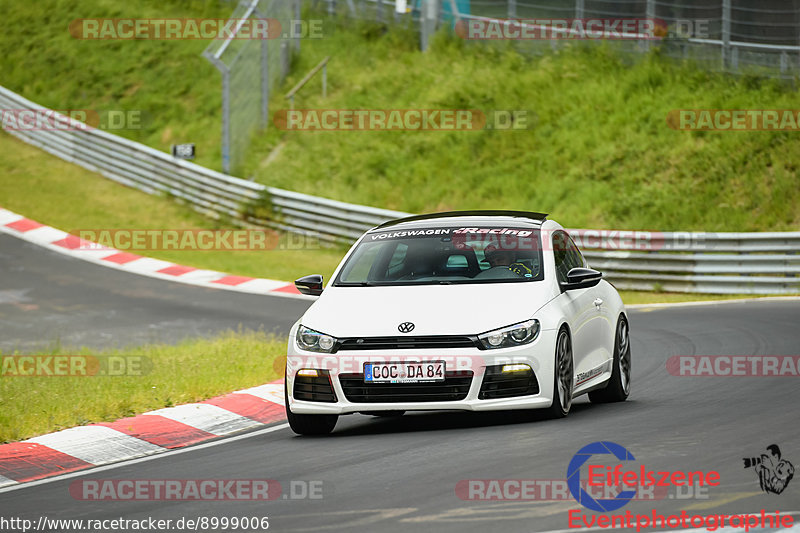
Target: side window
[(575, 256), (560, 255), (566, 254)]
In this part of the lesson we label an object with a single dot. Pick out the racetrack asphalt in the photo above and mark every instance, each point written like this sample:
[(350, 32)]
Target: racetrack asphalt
[(48, 298), (400, 474)]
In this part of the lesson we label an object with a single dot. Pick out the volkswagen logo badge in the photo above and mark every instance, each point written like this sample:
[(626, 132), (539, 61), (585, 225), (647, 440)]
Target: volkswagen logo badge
[(406, 327)]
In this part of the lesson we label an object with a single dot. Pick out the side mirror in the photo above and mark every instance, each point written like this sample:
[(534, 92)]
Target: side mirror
[(581, 278), (311, 285)]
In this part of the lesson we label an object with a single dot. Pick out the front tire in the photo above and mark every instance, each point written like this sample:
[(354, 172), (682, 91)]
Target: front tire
[(308, 424), (563, 377), (619, 386)]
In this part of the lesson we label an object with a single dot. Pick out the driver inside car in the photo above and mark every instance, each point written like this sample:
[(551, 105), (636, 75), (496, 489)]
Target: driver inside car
[(505, 259)]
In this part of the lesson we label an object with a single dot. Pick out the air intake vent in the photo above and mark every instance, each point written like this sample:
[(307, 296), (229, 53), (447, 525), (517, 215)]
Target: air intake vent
[(408, 343), (314, 389), (455, 387), (499, 384)]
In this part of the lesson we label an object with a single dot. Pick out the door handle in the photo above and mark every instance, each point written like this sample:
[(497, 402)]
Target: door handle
[(598, 302)]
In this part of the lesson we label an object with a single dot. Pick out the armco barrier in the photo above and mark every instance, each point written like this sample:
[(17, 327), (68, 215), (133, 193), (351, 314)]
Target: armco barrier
[(747, 263), (210, 192)]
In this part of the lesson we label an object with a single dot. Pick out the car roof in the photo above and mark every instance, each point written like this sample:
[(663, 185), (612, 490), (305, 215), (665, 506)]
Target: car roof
[(449, 218)]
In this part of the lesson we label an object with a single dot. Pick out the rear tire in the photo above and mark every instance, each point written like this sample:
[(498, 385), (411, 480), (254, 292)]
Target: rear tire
[(619, 386), (563, 377), (308, 424)]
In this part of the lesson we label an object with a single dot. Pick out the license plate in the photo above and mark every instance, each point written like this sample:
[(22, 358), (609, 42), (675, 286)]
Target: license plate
[(426, 372)]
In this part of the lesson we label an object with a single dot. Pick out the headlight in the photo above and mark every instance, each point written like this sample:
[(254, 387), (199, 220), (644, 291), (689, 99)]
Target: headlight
[(314, 341), (516, 335)]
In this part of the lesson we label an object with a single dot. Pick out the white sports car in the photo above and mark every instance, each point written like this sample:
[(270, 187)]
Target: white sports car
[(466, 310)]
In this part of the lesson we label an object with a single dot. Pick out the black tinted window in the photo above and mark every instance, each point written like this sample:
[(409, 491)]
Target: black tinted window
[(444, 255), (566, 254)]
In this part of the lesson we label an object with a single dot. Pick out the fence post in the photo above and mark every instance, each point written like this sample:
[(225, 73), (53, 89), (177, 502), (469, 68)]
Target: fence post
[(284, 59), (226, 121), (430, 15), (512, 9), (578, 9), (650, 14), (331, 7), (297, 15), (264, 68), (726, 32), (264, 82), (379, 11)]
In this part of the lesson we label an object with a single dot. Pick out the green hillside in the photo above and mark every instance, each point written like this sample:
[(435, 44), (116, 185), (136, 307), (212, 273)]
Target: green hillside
[(599, 153)]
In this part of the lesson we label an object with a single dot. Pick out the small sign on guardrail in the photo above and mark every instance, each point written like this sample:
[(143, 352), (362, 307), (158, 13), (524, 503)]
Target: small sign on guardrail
[(183, 151)]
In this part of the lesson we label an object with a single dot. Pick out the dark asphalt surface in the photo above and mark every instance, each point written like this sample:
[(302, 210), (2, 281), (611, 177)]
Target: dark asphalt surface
[(48, 298), (399, 475)]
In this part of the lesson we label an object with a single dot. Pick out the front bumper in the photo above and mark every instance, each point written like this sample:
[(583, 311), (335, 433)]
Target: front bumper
[(539, 355)]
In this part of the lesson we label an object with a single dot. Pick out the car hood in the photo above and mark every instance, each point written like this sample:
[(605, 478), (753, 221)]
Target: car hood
[(434, 309)]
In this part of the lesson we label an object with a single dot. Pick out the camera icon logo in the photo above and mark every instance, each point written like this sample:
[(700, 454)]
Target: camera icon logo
[(774, 472)]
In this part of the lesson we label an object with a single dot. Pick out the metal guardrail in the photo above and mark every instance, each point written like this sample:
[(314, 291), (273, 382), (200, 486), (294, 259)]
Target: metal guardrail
[(210, 192), (751, 263)]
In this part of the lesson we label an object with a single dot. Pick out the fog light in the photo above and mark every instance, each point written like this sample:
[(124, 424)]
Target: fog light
[(308, 372), (516, 368)]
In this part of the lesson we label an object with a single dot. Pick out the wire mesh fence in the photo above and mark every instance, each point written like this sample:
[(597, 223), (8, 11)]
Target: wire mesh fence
[(250, 68), (737, 36)]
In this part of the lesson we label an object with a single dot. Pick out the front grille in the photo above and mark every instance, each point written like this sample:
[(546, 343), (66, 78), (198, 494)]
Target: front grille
[(408, 343), (318, 389), (497, 384), (454, 387)]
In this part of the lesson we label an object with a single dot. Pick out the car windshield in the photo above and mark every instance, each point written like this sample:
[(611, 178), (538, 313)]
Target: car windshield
[(444, 255)]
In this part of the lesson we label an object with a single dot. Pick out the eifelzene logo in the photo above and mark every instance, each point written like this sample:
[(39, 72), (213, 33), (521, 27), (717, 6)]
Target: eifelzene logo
[(774, 472)]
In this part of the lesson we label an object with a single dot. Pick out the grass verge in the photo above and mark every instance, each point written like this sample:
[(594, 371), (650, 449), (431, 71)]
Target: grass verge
[(41, 187), (68, 197), (191, 371)]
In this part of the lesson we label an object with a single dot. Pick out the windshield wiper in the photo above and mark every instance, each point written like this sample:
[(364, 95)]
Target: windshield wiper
[(354, 284)]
